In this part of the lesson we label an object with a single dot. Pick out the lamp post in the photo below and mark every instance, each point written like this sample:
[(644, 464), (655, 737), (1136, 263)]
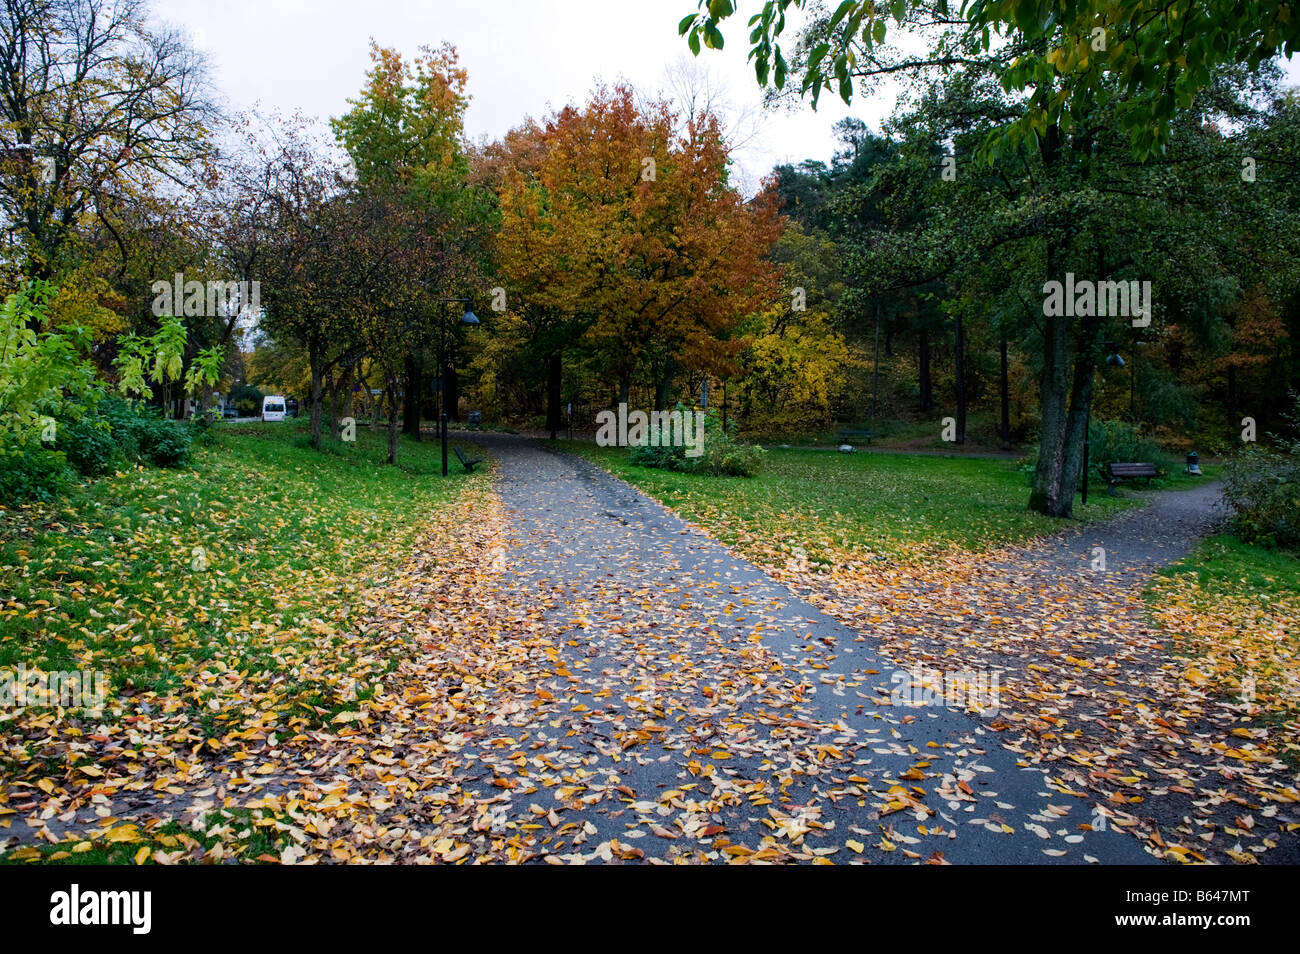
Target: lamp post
[(469, 318)]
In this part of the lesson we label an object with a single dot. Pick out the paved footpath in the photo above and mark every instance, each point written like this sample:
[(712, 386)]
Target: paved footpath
[(721, 714)]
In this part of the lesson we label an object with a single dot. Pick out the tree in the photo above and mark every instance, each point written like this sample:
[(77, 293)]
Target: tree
[(1061, 207), (1147, 59), (95, 106), (621, 237), (404, 135)]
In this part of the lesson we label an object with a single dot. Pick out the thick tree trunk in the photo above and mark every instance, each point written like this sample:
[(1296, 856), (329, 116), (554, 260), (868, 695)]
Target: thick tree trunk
[(927, 392), (1045, 495), (1077, 421), (554, 369), (1050, 493), (411, 401)]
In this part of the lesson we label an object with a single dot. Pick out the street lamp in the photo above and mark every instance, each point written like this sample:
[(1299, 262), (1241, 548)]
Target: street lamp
[(469, 318)]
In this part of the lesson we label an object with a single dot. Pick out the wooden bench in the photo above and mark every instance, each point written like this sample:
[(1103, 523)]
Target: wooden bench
[(1116, 473), (468, 463), (852, 436)]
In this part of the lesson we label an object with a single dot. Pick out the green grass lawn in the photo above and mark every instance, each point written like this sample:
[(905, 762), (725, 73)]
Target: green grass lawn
[(826, 502), (236, 569), (1226, 565)]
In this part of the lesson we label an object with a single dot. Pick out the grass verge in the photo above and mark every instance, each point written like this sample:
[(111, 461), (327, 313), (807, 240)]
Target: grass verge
[(217, 600), (1234, 611)]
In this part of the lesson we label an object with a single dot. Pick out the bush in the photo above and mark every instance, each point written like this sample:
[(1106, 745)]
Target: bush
[(248, 400), (89, 446), (722, 454), (1119, 442), (163, 443), (201, 430), (660, 458), (31, 471), (1110, 442), (143, 435), (1262, 488)]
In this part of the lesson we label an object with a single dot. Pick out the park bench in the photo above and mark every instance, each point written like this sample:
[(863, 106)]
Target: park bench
[(1116, 473), (853, 436), (467, 462)]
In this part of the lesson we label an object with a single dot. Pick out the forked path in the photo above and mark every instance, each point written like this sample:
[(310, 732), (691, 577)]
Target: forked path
[(704, 710)]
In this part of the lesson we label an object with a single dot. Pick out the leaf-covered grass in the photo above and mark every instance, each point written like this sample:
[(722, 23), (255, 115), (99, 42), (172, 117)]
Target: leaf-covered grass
[(233, 579), (828, 503), (1234, 610), (242, 835)]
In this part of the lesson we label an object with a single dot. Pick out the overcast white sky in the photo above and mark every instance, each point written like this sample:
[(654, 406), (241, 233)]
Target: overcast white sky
[(524, 57)]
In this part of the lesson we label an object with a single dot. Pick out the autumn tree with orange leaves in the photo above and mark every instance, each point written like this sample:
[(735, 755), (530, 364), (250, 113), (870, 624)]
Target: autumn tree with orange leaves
[(622, 241)]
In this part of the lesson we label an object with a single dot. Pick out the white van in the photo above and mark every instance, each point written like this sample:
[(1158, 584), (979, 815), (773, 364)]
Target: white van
[(273, 407)]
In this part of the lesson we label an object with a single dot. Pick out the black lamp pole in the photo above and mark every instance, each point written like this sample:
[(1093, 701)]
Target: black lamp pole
[(1114, 360), (469, 318)]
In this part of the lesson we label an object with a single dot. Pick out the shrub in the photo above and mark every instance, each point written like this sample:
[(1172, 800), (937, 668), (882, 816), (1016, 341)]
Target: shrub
[(163, 443), (143, 435), (661, 458), (31, 471), (722, 455), (1262, 488), (1119, 442), (201, 430), (89, 446)]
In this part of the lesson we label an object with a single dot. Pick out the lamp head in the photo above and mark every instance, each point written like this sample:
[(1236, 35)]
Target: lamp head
[(469, 318)]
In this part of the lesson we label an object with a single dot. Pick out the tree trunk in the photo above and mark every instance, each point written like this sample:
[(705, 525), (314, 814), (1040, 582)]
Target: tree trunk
[(1232, 392), (411, 401), (1004, 395), (1045, 495), (1077, 422), (875, 369), (961, 380), (315, 401), (393, 420), (554, 370), (339, 401), (1050, 494), (927, 393)]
